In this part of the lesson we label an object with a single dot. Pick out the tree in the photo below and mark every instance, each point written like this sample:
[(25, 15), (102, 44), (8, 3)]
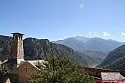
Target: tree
[(59, 70), (4, 70)]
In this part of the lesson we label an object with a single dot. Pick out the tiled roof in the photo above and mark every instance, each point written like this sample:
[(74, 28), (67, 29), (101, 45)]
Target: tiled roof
[(111, 76), (35, 62)]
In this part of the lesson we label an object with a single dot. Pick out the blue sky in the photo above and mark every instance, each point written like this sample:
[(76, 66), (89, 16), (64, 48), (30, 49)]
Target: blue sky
[(59, 19)]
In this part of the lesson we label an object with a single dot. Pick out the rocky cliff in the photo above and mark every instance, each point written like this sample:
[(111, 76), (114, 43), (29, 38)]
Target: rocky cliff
[(37, 49)]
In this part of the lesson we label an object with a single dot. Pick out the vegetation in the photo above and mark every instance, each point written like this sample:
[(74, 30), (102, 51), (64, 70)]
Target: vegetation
[(98, 54), (4, 71), (59, 70), (116, 65), (113, 57), (4, 47)]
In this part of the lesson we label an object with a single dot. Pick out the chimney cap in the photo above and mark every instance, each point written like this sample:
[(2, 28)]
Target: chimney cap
[(18, 33)]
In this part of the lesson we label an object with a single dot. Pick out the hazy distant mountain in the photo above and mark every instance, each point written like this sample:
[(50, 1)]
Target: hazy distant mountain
[(90, 46), (115, 59), (98, 54), (37, 48)]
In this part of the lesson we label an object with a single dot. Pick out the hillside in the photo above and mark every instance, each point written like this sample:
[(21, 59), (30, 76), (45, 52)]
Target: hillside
[(90, 46), (5, 42), (98, 54), (116, 65), (114, 57), (37, 48)]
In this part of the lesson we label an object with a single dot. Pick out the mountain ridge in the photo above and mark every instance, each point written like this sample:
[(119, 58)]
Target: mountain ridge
[(114, 57), (37, 48), (87, 45)]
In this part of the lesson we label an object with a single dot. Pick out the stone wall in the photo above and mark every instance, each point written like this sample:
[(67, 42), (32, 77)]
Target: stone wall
[(25, 70)]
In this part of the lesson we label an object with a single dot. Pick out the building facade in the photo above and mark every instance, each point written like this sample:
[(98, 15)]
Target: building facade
[(20, 68)]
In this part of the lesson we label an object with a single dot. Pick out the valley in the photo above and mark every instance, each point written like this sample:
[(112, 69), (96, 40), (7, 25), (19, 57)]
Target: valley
[(81, 50)]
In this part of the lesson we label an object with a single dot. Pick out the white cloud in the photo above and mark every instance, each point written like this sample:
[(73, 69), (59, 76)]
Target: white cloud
[(95, 34), (81, 34), (106, 33), (81, 6), (118, 32), (123, 34), (61, 39), (90, 33)]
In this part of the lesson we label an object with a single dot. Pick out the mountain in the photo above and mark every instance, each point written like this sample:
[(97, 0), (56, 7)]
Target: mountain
[(5, 42), (116, 65), (90, 46), (115, 59), (98, 54), (37, 49)]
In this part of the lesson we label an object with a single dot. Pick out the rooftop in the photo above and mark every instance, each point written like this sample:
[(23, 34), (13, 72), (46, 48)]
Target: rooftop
[(17, 33)]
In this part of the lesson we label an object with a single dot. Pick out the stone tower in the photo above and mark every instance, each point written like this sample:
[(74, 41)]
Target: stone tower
[(16, 52)]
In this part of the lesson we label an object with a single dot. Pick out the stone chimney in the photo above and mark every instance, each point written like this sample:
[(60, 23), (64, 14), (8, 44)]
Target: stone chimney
[(16, 52)]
